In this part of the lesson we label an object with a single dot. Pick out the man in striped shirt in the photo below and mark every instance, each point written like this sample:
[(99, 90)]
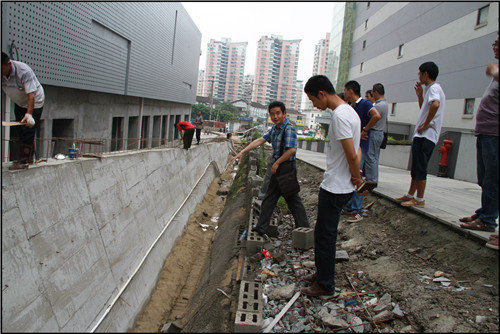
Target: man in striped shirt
[(283, 163)]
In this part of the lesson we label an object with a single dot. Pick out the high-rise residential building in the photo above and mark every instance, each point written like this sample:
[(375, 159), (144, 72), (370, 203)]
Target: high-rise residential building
[(320, 63), (392, 39), (276, 71), (248, 87), (224, 69), (321, 55), (200, 87)]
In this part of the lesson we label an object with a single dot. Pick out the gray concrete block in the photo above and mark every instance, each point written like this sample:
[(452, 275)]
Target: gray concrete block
[(256, 204), (255, 181), (303, 237), (248, 322), (250, 297), (254, 243), (272, 229), (341, 255)]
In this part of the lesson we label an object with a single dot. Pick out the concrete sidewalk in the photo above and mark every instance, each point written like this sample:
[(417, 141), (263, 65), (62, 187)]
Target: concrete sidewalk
[(446, 200)]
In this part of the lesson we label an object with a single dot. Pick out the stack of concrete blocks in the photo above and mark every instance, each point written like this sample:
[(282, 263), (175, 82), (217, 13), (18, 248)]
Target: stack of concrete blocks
[(303, 237), (250, 307), (272, 229)]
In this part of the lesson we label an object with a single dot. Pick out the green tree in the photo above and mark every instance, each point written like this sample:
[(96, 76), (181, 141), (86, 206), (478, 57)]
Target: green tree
[(225, 111), (205, 111)]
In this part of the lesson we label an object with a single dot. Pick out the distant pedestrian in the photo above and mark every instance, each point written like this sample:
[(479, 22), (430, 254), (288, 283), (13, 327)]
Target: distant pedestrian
[(369, 96), (186, 131), (369, 117), (198, 121), (340, 180), (484, 219), (283, 163), (376, 134), (431, 101), (20, 84)]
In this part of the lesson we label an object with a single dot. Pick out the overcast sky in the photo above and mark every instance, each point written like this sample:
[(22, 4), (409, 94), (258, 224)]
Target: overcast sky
[(249, 21)]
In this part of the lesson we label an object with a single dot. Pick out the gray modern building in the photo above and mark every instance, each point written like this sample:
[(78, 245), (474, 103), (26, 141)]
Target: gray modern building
[(391, 40), (110, 70)]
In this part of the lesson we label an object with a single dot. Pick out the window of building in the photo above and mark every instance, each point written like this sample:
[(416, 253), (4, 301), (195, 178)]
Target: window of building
[(366, 24), (393, 110), (361, 67), (482, 16), (469, 107), (400, 51), (364, 44)]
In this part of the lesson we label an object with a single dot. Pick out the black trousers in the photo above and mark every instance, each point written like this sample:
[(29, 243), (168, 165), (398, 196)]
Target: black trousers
[(272, 196), (198, 135), (23, 133), (187, 138)]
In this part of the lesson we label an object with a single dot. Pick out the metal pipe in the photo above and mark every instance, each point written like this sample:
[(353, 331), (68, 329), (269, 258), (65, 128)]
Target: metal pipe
[(108, 309)]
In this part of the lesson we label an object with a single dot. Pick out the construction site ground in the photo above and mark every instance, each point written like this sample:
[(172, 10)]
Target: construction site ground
[(392, 250)]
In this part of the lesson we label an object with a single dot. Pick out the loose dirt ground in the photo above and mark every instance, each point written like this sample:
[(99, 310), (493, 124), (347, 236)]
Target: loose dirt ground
[(393, 246)]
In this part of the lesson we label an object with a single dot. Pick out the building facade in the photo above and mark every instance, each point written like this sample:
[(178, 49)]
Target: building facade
[(225, 69), (321, 55), (200, 87), (392, 39), (276, 71), (118, 71)]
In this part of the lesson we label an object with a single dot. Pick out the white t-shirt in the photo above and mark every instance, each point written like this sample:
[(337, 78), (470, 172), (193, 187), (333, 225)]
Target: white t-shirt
[(344, 124), (433, 92), (22, 80)]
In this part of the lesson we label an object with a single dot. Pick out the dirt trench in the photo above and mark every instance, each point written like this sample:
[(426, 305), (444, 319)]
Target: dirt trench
[(392, 246)]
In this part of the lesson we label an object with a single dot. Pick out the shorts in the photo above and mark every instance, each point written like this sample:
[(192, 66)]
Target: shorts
[(421, 151)]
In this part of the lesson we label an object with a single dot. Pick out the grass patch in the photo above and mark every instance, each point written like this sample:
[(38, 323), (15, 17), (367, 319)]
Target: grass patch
[(282, 205)]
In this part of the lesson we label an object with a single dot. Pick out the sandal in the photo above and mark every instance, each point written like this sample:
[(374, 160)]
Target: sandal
[(478, 225), (468, 219)]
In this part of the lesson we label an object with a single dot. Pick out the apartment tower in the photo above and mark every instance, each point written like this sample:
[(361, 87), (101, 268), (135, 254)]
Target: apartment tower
[(276, 71), (225, 67)]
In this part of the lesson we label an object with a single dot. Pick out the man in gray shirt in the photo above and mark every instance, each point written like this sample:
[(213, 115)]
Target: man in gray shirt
[(198, 121), (377, 133), (485, 218)]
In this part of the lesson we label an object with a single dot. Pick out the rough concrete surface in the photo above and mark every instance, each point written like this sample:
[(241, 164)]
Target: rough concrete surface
[(73, 234)]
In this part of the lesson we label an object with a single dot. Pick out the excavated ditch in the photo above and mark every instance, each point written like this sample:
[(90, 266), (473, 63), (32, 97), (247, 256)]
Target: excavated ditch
[(392, 252)]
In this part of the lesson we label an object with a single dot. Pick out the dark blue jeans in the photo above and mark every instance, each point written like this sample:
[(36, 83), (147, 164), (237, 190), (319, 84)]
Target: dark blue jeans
[(325, 236), (487, 178)]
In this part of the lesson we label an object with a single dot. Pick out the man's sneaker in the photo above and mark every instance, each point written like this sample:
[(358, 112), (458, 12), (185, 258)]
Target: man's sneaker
[(414, 202), (354, 218), (493, 244), (260, 233), (403, 198), (493, 236), (345, 212), (316, 291)]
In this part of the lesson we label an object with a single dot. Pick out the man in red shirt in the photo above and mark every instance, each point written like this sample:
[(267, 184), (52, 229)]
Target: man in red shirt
[(187, 136)]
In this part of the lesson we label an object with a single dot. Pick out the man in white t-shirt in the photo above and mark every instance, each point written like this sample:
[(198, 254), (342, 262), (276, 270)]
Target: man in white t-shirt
[(432, 104), (341, 178), (20, 84)]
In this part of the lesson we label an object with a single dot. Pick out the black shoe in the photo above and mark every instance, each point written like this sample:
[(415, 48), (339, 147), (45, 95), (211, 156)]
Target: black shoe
[(260, 233)]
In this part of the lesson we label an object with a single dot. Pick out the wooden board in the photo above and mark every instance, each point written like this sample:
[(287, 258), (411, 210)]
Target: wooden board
[(7, 123)]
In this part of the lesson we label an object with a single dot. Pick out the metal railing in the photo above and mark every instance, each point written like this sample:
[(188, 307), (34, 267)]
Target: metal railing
[(95, 147)]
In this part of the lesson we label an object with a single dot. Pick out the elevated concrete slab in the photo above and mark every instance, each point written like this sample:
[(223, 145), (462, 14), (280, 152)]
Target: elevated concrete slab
[(446, 200)]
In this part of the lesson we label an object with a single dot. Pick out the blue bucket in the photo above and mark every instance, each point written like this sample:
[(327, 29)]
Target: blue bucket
[(73, 153)]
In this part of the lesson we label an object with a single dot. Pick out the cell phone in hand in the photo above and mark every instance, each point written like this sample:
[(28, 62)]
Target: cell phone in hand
[(366, 185)]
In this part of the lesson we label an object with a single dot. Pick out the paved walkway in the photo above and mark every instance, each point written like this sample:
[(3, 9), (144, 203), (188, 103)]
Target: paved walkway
[(446, 200)]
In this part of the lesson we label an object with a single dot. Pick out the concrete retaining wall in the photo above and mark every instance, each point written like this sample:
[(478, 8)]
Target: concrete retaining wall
[(74, 232)]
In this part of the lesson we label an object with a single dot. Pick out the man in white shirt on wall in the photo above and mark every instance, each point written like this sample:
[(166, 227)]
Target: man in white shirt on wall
[(20, 84), (432, 104)]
